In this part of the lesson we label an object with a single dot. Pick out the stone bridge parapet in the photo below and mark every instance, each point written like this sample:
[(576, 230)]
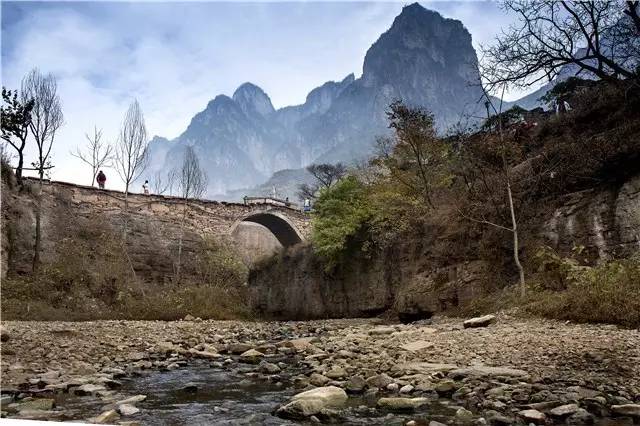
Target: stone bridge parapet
[(208, 217)]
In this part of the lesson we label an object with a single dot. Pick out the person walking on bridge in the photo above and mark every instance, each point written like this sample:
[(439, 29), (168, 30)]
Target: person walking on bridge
[(101, 179)]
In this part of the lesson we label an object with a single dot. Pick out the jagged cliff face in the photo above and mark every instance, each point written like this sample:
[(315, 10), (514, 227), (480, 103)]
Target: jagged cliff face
[(424, 59)]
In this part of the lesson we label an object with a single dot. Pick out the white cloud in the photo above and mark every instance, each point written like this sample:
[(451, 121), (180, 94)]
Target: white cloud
[(175, 57)]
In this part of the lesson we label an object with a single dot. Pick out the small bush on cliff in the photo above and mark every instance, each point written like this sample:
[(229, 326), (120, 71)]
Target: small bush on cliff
[(609, 292), (341, 211)]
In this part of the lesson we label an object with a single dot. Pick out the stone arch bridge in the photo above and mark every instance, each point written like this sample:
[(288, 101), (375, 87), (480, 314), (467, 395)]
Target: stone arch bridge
[(258, 226)]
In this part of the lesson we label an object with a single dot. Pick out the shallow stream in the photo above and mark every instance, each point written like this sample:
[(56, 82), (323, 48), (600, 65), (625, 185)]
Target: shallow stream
[(229, 397)]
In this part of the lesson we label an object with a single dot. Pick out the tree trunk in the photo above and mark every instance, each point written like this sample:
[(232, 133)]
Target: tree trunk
[(516, 245), (178, 264), (125, 216), (38, 242), (19, 168)]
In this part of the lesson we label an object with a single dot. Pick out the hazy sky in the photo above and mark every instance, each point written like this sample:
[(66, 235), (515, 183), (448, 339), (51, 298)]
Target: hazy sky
[(175, 57)]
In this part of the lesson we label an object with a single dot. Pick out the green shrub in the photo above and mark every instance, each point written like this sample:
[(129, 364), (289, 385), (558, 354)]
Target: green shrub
[(341, 211)]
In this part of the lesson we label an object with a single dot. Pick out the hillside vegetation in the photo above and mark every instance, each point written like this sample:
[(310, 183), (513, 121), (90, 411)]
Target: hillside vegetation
[(482, 194)]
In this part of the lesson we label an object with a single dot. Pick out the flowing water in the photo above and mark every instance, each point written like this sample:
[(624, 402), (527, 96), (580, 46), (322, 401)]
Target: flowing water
[(231, 397), (228, 397)]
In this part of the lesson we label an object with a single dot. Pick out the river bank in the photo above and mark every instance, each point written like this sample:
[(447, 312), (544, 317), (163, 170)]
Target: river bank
[(583, 372)]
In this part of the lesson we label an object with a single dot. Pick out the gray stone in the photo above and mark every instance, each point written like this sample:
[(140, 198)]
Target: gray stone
[(336, 373), (251, 356), (128, 410), (312, 402), (318, 379), (422, 368), (5, 400), (564, 410), (479, 321), (88, 389), (400, 404), (238, 348), (355, 384), (106, 417), (417, 346), (132, 400), (464, 416), (189, 388), (40, 415), (269, 368), (632, 410), (533, 416), (483, 371), (406, 389), (381, 331), (445, 387), (379, 381), (581, 417)]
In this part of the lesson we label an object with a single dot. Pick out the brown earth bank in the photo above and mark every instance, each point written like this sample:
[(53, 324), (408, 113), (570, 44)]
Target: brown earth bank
[(507, 371)]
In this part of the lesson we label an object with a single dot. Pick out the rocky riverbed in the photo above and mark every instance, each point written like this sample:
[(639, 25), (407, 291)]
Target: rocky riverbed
[(501, 371)]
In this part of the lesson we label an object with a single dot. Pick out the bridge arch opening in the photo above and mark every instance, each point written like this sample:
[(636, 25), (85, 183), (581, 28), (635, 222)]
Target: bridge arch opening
[(281, 227)]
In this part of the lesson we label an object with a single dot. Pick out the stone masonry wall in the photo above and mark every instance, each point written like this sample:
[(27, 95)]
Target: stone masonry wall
[(154, 223)]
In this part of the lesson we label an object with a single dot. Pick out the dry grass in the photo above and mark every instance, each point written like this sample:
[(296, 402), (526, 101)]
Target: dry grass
[(91, 278), (609, 293)]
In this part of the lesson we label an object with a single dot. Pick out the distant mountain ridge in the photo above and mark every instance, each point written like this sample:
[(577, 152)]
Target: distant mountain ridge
[(424, 59)]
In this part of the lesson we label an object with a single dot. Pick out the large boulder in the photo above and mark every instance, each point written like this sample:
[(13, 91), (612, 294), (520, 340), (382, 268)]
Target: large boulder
[(312, 402), (479, 321)]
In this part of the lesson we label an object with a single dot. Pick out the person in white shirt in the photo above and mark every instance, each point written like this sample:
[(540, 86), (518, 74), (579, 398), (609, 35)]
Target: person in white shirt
[(145, 187)]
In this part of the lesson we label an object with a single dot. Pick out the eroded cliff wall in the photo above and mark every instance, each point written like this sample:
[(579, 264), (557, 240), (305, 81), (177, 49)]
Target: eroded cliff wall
[(418, 276)]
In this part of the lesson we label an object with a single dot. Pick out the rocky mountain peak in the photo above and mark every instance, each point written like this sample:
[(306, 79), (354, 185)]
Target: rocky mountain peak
[(253, 100), (421, 48)]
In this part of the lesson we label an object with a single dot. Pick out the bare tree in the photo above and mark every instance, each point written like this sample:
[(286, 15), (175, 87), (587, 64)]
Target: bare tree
[(163, 182), (488, 173), (46, 115), (325, 175), (597, 37), (46, 119), (131, 153), (98, 153), (415, 157), (16, 117), (192, 183)]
